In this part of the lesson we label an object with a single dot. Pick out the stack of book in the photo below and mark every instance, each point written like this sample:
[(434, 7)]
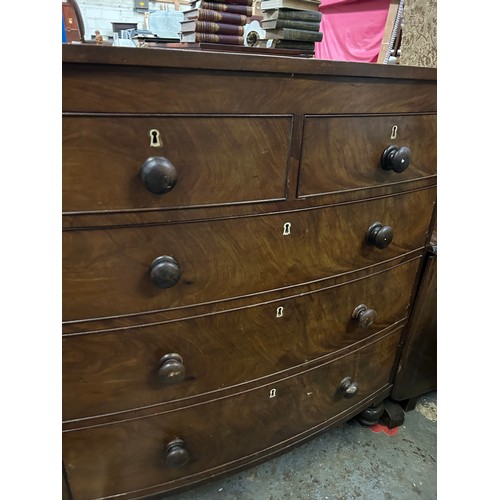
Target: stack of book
[(216, 22), (291, 24)]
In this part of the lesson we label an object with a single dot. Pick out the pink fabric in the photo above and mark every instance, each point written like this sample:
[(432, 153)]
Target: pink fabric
[(352, 29)]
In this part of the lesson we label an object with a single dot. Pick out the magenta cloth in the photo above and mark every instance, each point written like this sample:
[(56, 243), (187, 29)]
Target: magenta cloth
[(352, 29)]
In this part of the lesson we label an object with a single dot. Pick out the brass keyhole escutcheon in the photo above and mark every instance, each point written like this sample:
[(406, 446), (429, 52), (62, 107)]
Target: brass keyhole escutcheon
[(155, 138)]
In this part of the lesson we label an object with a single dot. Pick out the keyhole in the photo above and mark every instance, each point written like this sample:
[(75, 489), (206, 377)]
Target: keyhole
[(155, 138), (272, 393), (279, 312), (287, 226), (394, 132)]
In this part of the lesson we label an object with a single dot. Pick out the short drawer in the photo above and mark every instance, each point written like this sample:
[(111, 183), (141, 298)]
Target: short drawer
[(122, 271), (344, 153), (120, 370), (126, 163), (137, 454)]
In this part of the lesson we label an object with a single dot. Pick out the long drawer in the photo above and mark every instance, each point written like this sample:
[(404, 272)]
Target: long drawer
[(344, 152), (122, 271), (120, 370), (120, 163), (139, 454)]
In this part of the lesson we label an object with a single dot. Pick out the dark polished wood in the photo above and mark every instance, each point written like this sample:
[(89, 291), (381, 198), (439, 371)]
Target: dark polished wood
[(243, 93), (84, 220), (116, 371), (196, 59), (344, 152), (103, 156), (242, 238), (129, 456), (99, 263), (417, 371), (66, 494), (121, 323)]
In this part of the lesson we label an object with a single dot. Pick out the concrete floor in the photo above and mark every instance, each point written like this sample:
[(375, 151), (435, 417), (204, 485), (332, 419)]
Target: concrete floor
[(347, 462)]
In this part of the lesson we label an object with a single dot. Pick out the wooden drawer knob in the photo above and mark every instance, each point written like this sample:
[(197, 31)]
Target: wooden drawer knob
[(348, 387), (164, 271), (365, 316), (172, 369), (379, 235), (396, 158), (176, 454), (158, 175)]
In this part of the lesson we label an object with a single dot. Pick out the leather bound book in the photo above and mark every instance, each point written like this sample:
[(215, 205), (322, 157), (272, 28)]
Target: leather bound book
[(288, 23), (292, 15), (311, 5), (244, 10), (292, 44), (211, 38), (238, 2), (295, 34), (215, 16), (209, 27)]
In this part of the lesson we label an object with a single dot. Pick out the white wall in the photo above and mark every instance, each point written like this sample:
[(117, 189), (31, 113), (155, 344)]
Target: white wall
[(99, 14)]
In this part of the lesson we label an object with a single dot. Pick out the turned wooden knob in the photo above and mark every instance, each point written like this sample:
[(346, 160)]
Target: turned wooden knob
[(348, 388), (158, 175), (172, 369), (164, 271), (365, 316), (379, 235), (176, 454), (396, 158)]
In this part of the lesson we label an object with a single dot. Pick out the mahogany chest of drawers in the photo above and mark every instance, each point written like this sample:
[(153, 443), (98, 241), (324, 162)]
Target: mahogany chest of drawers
[(241, 240)]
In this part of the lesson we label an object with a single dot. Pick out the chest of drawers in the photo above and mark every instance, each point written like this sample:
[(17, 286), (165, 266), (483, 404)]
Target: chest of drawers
[(241, 240)]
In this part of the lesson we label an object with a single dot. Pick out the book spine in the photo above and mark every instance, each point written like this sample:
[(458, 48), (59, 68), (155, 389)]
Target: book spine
[(300, 5), (238, 2), (221, 17), (291, 44), (220, 28), (216, 38), (300, 15), (231, 3), (243, 10), (288, 23), (293, 34)]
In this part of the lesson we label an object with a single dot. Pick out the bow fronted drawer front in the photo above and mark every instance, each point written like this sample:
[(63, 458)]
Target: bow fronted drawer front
[(170, 449), (347, 153), (133, 163)]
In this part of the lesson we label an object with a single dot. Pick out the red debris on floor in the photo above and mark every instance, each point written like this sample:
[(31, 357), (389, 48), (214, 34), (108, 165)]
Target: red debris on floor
[(382, 428)]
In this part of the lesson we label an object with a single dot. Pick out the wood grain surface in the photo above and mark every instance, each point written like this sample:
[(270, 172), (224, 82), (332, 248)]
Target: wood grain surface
[(343, 152), (128, 456), (114, 89), (417, 370), (85, 55), (118, 371), (218, 160), (259, 144), (106, 272)]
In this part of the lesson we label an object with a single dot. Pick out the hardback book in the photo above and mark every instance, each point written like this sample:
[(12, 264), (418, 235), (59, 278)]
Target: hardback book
[(209, 27), (286, 44), (247, 3), (289, 23), (212, 38), (215, 16), (292, 15), (290, 4), (244, 10), (294, 34)]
